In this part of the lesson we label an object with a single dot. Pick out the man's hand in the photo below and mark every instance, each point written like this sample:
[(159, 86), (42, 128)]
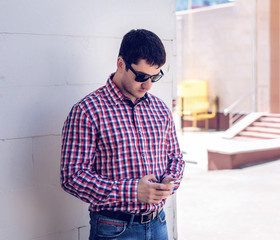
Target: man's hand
[(169, 179), (149, 191)]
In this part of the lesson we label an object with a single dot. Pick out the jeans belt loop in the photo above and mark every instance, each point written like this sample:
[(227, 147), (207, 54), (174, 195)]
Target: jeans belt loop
[(131, 220)]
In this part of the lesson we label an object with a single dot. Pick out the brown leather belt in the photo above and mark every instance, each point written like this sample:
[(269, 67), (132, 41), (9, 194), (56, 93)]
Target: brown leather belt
[(141, 218)]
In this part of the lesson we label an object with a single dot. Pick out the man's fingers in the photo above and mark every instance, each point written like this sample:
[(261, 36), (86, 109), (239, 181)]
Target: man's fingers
[(156, 200), (163, 187)]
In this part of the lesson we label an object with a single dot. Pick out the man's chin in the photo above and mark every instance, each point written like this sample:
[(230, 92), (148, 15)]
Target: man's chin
[(141, 94)]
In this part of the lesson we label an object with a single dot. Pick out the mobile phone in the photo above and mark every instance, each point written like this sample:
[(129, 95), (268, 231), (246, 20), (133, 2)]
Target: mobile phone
[(174, 181)]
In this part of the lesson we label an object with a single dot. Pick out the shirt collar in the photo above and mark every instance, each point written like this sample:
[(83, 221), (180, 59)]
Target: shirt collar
[(117, 97)]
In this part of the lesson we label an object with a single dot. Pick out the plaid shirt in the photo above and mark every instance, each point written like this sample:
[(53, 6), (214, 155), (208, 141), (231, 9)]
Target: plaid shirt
[(108, 144)]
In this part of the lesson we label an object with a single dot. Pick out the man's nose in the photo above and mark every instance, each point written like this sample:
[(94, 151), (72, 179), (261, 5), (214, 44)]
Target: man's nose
[(147, 85)]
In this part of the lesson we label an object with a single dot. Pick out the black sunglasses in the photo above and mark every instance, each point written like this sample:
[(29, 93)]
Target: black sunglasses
[(142, 77)]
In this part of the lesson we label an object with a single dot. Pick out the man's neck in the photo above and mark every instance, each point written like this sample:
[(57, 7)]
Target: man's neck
[(116, 80)]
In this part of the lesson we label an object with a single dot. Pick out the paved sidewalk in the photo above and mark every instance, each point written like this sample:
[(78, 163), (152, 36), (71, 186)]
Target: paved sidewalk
[(241, 204)]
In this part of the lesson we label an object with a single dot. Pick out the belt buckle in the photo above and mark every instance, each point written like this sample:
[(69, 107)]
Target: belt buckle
[(154, 214)]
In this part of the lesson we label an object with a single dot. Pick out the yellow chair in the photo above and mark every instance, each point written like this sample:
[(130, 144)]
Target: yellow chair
[(194, 103)]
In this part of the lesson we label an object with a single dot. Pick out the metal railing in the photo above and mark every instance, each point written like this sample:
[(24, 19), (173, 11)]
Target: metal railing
[(240, 108)]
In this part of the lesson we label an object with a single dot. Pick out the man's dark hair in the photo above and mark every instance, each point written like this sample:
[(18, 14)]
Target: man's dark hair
[(142, 44)]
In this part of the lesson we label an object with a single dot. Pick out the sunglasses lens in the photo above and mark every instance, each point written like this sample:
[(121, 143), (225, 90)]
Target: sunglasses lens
[(141, 77), (156, 78)]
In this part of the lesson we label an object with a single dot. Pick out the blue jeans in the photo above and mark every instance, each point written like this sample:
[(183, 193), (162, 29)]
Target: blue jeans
[(107, 228)]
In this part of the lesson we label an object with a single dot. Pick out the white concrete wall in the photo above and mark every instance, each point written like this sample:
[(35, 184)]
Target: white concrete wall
[(53, 53), (217, 45)]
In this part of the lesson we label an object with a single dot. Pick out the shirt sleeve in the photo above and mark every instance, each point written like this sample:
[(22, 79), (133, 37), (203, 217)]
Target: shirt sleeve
[(78, 175), (176, 164)]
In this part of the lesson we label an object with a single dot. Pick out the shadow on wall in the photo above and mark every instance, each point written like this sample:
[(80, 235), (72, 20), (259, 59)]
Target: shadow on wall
[(57, 214), (33, 203)]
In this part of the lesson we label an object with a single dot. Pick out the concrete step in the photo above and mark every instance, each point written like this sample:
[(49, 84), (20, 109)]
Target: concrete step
[(258, 135), (273, 114), (229, 154), (266, 124), (270, 119), (266, 129)]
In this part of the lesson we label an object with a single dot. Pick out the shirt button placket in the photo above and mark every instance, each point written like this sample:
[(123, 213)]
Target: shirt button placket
[(141, 139)]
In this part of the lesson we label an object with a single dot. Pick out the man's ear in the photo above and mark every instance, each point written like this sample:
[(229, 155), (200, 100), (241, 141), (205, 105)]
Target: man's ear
[(121, 65)]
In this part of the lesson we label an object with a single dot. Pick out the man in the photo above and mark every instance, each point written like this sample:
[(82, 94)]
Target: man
[(120, 152)]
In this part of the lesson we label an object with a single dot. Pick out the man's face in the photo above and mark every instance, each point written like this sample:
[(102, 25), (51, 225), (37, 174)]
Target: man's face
[(135, 90)]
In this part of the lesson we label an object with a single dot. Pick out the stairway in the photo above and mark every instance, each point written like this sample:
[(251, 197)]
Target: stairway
[(265, 127), (254, 139)]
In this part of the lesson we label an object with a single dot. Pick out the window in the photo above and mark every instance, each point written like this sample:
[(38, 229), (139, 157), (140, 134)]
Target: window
[(182, 5)]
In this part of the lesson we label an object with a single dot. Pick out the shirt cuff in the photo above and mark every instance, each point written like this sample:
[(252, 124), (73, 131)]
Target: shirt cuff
[(127, 190)]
